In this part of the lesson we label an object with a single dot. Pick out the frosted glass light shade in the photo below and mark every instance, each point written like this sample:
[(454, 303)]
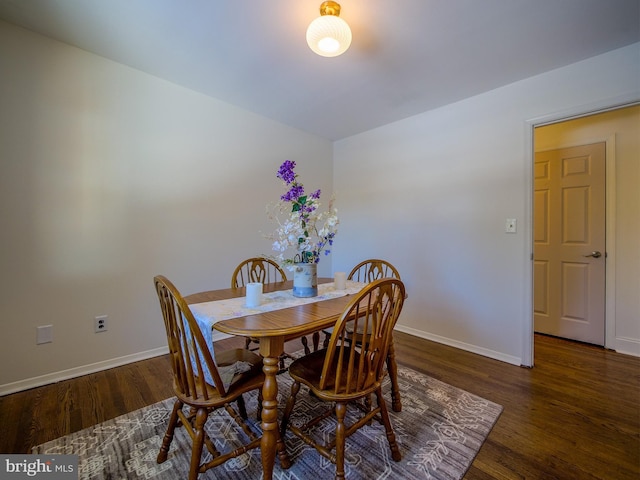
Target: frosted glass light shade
[(329, 36)]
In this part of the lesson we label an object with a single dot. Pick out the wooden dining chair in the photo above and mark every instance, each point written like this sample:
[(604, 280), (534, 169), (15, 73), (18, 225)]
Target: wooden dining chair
[(344, 372), (368, 271), (257, 269), (205, 382), (263, 270), (373, 269)]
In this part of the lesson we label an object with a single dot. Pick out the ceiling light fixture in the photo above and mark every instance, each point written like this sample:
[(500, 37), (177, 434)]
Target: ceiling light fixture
[(329, 35)]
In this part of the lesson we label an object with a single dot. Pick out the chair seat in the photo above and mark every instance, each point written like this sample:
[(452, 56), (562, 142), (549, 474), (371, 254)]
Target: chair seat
[(307, 370), (241, 383), (229, 357)]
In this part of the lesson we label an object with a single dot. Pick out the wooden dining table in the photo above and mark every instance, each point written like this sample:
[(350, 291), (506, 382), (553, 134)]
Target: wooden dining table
[(273, 329)]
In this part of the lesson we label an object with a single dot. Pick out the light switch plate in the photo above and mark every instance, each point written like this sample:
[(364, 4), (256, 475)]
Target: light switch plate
[(44, 334), (510, 225)]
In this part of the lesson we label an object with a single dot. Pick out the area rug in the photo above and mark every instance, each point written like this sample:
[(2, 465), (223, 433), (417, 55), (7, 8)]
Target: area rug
[(439, 431)]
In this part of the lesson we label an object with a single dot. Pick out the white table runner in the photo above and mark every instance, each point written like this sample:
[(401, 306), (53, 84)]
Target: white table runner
[(208, 313)]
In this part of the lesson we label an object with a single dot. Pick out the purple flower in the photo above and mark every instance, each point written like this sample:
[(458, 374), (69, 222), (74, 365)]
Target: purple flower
[(309, 208), (316, 194), (286, 173), (295, 192)]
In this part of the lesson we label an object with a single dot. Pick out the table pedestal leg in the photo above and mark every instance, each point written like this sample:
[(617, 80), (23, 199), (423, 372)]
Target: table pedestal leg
[(271, 441)]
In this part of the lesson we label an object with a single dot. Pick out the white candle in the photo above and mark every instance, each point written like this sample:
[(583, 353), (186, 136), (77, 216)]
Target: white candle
[(340, 280), (254, 294)]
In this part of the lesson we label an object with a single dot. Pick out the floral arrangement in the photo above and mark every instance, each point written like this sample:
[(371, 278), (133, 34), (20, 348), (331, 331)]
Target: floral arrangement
[(301, 226)]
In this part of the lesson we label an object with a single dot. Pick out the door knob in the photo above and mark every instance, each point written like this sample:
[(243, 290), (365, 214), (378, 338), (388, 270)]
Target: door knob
[(594, 255)]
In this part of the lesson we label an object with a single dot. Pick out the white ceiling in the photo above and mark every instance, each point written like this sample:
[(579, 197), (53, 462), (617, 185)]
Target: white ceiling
[(407, 56)]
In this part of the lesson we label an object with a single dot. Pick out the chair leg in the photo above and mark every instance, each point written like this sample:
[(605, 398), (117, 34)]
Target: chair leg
[(392, 368), (259, 409), (295, 388), (341, 412), (168, 436), (282, 366), (283, 456), (198, 442), (242, 409), (367, 406), (305, 344), (315, 340), (391, 437), (247, 343)]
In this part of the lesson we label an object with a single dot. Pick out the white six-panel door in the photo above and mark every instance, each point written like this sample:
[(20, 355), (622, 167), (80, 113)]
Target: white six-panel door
[(569, 243)]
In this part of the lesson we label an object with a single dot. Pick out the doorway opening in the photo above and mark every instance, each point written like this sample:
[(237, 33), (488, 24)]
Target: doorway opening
[(561, 137)]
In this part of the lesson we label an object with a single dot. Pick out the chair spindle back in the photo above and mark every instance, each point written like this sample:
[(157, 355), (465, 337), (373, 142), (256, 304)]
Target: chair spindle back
[(373, 269), (357, 366), (192, 360), (257, 269)]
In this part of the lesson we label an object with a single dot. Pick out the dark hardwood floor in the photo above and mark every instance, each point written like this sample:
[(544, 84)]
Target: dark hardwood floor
[(575, 415)]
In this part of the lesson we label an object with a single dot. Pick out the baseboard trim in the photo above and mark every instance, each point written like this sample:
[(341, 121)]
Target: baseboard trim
[(54, 377), (627, 346), (461, 345)]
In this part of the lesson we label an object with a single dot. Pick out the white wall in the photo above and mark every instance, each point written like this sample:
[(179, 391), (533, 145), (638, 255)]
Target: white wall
[(109, 177), (431, 194)]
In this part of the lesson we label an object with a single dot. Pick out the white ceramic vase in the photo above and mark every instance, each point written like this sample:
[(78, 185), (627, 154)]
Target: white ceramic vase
[(305, 280)]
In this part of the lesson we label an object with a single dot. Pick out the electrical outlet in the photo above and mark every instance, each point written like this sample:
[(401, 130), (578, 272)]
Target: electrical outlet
[(44, 334), (101, 323), (510, 225)]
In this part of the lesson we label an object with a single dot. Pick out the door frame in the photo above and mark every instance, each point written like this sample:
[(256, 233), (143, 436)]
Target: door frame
[(530, 126)]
